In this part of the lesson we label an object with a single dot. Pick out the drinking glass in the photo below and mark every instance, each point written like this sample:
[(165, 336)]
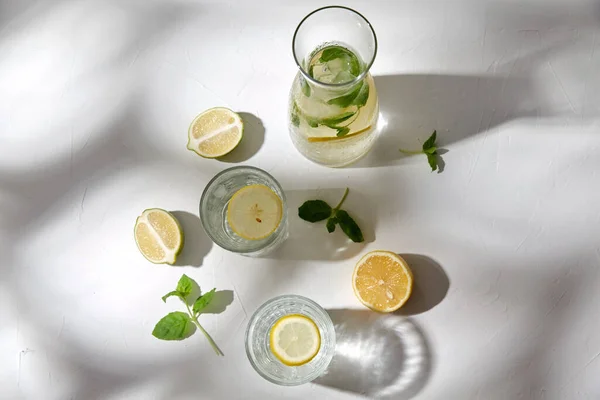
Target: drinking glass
[(333, 106), (258, 347), (213, 210)]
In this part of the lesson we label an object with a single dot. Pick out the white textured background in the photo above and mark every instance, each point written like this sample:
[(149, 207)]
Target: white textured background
[(95, 100)]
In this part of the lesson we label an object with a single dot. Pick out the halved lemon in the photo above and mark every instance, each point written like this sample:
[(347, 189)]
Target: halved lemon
[(215, 132), (382, 281), (158, 235), (254, 212), (295, 339)]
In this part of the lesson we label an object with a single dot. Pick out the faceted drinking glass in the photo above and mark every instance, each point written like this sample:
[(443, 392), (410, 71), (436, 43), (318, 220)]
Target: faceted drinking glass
[(213, 210), (258, 347)]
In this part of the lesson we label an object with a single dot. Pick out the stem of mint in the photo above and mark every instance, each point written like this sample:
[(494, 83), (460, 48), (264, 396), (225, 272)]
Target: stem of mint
[(210, 339), (411, 151), (341, 202)]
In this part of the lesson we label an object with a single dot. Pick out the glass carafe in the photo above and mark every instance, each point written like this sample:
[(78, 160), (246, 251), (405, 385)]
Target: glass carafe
[(333, 108)]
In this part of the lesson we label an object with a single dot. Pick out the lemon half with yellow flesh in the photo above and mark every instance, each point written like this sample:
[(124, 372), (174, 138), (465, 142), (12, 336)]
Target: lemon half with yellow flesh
[(215, 132), (254, 212), (295, 339), (382, 281), (158, 235)]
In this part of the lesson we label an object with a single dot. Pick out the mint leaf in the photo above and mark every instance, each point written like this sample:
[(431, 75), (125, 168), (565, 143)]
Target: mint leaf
[(346, 100), (203, 301), (314, 211), (295, 120), (185, 285), (349, 226), (173, 293), (174, 326), (430, 150), (179, 325), (333, 52), (338, 119), (331, 222), (312, 122), (318, 210), (343, 131), (362, 97), (305, 87), (429, 143), (432, 160), (310, 71), (354, 65)]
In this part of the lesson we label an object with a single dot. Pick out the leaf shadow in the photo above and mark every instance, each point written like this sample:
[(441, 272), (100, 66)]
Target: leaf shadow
[(219, 303)]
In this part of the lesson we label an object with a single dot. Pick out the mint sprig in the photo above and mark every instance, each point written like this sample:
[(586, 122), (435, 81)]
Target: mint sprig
[(319, 210), (430, 149), (179, 325)]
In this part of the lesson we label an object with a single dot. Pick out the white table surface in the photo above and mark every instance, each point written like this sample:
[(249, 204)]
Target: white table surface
[(95, 100)]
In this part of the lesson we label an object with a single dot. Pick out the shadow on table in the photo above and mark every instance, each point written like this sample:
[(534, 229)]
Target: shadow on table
[(311, 241), (252, 140), (377, 355), (459, 106), (430, 285), (196, 243)]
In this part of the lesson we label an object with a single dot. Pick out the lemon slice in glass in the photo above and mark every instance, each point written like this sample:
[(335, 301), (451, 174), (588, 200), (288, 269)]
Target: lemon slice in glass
[(254, 212), (215, 132), (295, 339), (158, 236)]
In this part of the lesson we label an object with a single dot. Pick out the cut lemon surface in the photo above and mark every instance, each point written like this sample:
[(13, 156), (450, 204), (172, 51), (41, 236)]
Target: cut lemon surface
[(295, 339), (382, 281), (158, 235), (215, 132), (254, 212)]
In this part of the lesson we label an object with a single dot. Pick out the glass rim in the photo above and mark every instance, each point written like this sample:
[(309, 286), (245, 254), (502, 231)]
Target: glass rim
[(334, 85), (205, 192), (262, 307)]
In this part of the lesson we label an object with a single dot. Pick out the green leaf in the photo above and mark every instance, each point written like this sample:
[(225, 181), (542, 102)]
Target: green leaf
[(354, 65), (430, 150), (429, 143), (203, 301), (349, 226), (174, 326), (331, 222), (314, 211), (305, 87), (362, 97), (338, 119), (333, 52), (432, 159), (312, 122), (185, 285), (295, 120), (310, 71), (173, 293), (343, 131), (346, 100)]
